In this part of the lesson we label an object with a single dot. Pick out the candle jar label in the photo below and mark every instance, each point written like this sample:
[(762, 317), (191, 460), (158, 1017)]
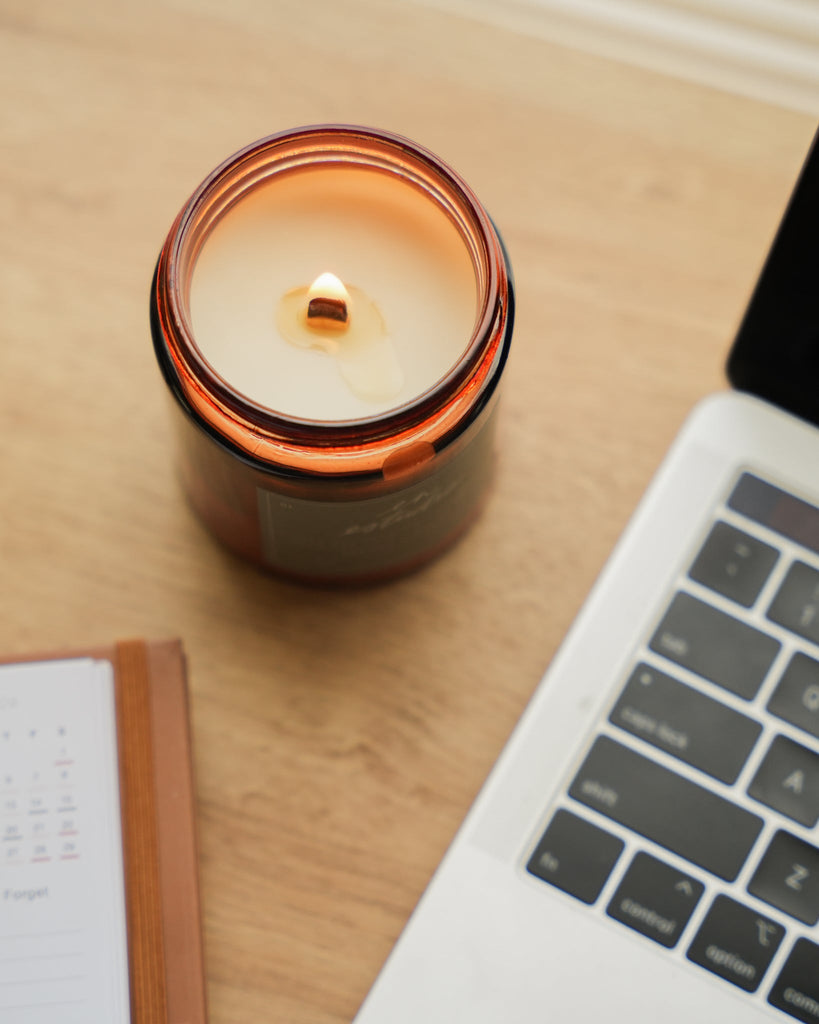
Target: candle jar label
[(332, 540)]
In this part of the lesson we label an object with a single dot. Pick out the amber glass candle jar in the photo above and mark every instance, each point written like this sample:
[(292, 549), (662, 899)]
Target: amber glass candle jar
[(332, 311)]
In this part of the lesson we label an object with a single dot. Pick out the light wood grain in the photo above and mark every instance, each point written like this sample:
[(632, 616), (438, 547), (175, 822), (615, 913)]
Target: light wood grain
[(340, 737)]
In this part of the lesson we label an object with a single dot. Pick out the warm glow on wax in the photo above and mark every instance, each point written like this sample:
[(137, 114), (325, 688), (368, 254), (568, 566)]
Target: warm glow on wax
[(410, 294)]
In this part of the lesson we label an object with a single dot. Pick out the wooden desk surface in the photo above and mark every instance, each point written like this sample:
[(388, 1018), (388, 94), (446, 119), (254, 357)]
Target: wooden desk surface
[(340, 737)]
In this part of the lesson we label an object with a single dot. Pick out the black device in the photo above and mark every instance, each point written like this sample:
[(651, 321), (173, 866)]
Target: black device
[(776, 351)]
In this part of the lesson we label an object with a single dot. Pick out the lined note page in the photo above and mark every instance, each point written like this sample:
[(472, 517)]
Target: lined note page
[(63, 945)]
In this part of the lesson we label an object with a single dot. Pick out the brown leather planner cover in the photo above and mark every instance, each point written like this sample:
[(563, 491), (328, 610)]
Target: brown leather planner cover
[(165, 954)]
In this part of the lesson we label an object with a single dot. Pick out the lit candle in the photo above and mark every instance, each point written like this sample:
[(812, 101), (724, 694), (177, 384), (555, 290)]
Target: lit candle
[(399, 254), (332, 311)]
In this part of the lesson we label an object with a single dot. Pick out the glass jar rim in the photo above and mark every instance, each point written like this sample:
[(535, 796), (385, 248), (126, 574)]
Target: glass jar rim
[(213, 398)]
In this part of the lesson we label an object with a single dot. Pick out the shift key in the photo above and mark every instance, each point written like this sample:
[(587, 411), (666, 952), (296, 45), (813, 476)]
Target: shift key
[(666, 808)]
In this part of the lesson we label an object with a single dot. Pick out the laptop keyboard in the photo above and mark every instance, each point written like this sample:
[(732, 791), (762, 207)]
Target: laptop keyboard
[(692, 818)]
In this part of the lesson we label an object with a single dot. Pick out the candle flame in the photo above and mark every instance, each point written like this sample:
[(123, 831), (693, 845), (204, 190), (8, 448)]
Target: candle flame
[(328, 285), (328, 303)]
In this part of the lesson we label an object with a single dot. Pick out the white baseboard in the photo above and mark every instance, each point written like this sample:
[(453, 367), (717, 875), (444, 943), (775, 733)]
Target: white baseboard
[(766, 49)]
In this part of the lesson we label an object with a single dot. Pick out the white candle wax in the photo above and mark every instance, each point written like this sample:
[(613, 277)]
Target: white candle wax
[(377, 234)]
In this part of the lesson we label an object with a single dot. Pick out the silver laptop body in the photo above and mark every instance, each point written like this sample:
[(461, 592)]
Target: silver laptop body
[(646, 848)]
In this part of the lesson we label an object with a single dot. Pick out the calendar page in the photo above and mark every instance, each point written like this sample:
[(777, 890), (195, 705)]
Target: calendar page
[(63, 945)]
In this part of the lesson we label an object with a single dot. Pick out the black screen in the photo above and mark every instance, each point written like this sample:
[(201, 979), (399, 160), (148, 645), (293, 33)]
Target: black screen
[(776, 351)]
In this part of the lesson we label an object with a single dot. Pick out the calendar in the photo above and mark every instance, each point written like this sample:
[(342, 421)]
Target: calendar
[(63, 944)]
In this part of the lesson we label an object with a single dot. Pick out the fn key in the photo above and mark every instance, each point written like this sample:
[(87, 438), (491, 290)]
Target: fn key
[(575, 856)]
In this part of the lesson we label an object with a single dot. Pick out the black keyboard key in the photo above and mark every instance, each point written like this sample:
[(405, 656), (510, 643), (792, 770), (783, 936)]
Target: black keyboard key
[(683, 722), (788, 781), (734, 564), (655, 899), (784, 513), (788, 877), (796, 990), (716, 646), (796, 604), (796, 698), (664, 807), (736, 943), (575, 856)]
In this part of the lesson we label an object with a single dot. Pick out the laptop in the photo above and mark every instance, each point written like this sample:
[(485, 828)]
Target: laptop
[(647, 846)]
